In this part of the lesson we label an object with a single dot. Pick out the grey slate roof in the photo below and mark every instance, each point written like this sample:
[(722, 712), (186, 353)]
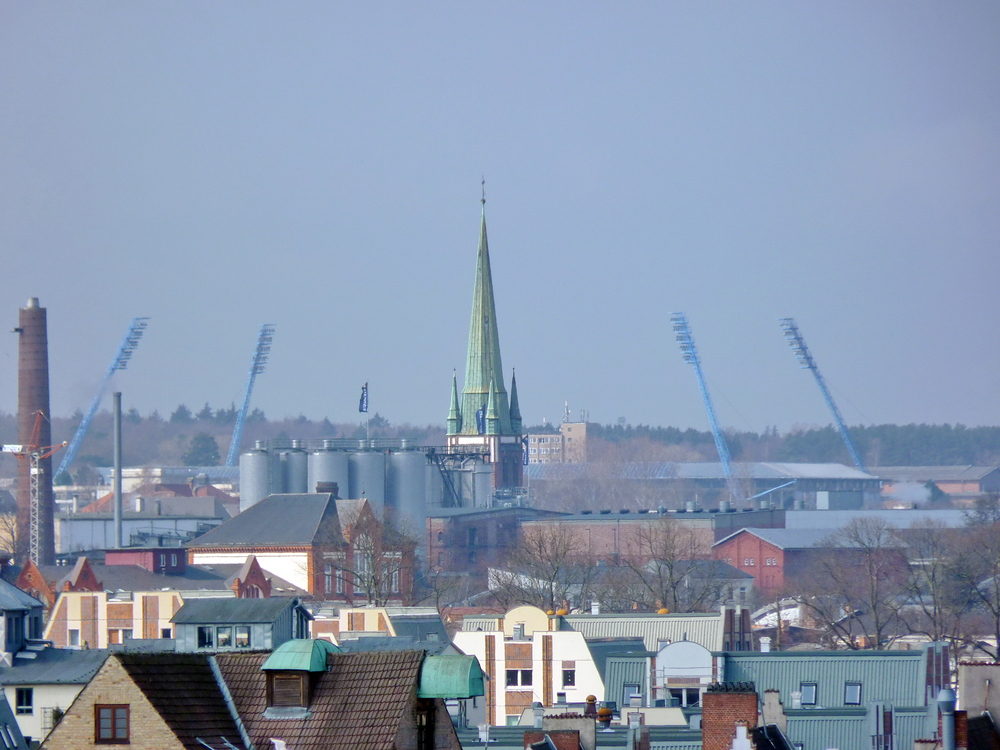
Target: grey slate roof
[(54, 666), (276, 521), (370, 643), (12, 598), (213, 611), (792, 538)]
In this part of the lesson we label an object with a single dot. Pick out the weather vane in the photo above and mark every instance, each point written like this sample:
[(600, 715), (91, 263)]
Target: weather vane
[(483, 201)]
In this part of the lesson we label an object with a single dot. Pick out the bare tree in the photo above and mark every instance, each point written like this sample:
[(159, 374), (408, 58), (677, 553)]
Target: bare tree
[(549, 565), (978, 570), (938, 596), (856, 584), (379, 558), (665, 564)]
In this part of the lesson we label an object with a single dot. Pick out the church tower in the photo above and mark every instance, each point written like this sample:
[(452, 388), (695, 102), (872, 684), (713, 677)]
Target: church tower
[(483, 415)]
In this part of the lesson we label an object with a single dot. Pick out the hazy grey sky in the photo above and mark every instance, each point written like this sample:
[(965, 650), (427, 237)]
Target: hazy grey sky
[(216, 166)]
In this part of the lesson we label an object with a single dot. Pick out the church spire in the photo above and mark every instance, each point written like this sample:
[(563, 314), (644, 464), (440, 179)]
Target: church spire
[(515, 408), (492, 416), (454, 415), (483, 367)]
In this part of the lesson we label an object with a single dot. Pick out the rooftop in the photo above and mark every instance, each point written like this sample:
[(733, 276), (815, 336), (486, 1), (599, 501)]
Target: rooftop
[(279, 521), (183, 690), (54, 666), (213, 611)]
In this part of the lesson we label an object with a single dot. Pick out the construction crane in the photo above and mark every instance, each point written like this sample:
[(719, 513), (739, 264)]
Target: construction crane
[(120, 362), (256, 368), (34, 454), (806, 362), (683, 334)]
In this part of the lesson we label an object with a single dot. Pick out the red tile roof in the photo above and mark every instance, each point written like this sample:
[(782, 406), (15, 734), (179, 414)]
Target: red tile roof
[(183, 690), (359, 703)]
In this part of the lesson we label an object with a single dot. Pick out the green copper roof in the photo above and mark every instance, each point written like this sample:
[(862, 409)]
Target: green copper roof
[(303, 654), (483, 366), (515, 408), (451, 677), (454, 416)]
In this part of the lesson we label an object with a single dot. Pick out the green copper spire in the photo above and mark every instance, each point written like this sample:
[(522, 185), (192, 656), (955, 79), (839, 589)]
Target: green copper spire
[(483, 367), (454, 415), (515, 409), (492, 418)]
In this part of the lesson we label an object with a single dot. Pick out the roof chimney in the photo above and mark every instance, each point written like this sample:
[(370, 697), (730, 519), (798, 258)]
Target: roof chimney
[(724, 706)]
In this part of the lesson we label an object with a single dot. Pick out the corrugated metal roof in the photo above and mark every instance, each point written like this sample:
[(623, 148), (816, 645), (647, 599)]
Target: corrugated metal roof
[(925, 474), (213, 611), (787, 538), (704, 629), (708, 470), (472, 623), (896, 677), (818, 730), (622, 671)]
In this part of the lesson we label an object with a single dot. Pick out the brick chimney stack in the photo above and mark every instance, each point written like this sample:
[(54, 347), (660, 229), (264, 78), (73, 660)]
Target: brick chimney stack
[(723, 705)]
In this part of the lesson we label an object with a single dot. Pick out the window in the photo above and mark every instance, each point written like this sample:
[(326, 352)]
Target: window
[(286, 690), (25, 699), (518, 678), (126, 634), (569, 678), (173, 560), (163, 561), (242, 636), (206, 636), (224, 637), (8, 738), (852, 693), (328, 578), (808, 693), (74, 638), (165, 633), (628, 690), (110, 724)]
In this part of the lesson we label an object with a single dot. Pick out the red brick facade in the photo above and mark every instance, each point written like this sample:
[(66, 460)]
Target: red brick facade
[(721, 711)]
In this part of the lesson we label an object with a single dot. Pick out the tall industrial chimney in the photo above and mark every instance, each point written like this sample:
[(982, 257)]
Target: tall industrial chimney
[(33, 397)]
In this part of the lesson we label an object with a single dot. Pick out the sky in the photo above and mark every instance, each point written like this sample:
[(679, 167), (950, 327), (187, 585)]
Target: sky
[(216, 166)]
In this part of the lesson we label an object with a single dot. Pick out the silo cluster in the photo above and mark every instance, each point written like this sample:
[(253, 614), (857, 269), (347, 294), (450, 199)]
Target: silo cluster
[(400, 479)]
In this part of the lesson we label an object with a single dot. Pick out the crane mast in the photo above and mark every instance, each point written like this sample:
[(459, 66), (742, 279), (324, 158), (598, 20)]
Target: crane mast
[(806, 362), (120, 362), (690, 352), (34, 454), (256, 368)]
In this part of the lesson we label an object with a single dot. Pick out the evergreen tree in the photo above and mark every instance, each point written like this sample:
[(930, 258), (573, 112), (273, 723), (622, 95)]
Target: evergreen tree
[(203, 451)]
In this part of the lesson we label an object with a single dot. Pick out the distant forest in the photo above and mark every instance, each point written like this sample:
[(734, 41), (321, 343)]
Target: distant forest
[(164, 440)]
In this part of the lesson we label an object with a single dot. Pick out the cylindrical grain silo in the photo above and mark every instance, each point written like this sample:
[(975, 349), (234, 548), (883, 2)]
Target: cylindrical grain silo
[(255, 476), (328, 465), (406, 490), (296, 469), (33, 397), (367, 477), (482, 484)]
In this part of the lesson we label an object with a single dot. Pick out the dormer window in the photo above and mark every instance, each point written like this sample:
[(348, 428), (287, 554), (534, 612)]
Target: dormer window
[(287, 689)]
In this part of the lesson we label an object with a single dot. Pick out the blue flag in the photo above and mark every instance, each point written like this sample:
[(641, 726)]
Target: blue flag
[(481, 419), (363, 404), (524, 450)]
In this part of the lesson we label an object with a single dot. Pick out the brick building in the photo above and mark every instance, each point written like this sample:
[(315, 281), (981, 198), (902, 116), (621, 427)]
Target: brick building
[(335, 549)]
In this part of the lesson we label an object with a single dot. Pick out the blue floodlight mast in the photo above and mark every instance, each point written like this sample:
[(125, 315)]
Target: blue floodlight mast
[(806, 362), (120, 362), (690, 352), (256, 368)]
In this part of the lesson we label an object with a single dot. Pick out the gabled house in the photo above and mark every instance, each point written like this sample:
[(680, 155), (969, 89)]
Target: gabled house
[(163, 701), (43, 682), (239, 624), (336, 549)]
